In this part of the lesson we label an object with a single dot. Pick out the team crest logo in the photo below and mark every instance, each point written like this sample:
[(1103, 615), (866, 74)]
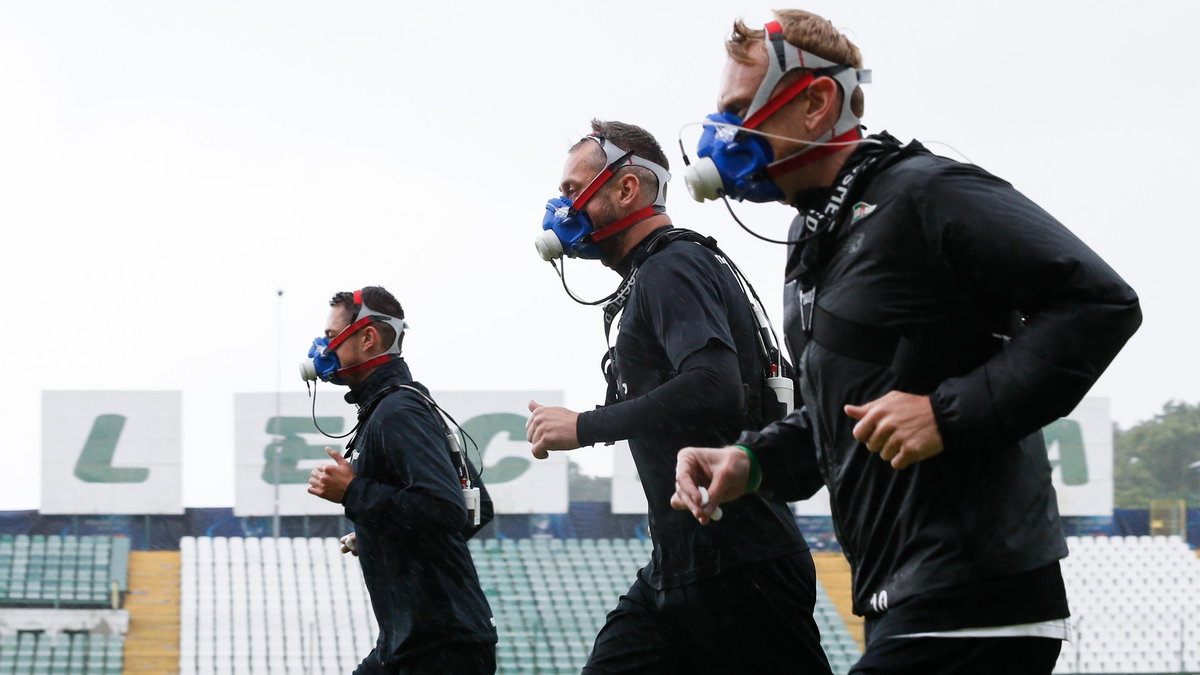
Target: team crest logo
[(861, 210)]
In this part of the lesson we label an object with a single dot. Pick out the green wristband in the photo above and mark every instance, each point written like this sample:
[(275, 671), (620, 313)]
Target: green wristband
[(755, 479)]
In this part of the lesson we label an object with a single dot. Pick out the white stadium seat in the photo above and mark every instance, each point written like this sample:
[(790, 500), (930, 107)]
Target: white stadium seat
[(1133, 605), (271, 606)]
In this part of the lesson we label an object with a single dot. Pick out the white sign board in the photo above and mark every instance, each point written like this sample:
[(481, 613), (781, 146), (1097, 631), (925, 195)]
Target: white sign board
[(269, 427), (1080, 446), (112, 452), (627, 493)]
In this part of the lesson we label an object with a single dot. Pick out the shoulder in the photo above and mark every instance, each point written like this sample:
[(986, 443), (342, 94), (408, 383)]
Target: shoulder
[(923, 172), (403, 409), (680, 260)]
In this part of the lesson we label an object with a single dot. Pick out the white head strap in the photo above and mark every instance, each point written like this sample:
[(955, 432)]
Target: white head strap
[(613, 153), (783, 57)]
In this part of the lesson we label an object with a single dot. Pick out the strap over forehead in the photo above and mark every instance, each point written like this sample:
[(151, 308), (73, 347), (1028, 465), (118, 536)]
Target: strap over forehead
[(614, 155), (366, 316), (783, 57)]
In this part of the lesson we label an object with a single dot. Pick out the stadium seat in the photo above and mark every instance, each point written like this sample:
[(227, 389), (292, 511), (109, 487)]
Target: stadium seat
[(1130, 599)]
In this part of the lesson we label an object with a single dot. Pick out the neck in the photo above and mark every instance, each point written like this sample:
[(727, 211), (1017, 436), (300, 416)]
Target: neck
[(625, 242), (821, 173), (355, 378)]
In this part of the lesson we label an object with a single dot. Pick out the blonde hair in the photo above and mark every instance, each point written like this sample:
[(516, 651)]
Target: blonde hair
[(809, 32)]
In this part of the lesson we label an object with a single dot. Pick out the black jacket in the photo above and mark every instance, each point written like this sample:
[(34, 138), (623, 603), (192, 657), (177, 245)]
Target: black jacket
[(921, 285), (410, 516)]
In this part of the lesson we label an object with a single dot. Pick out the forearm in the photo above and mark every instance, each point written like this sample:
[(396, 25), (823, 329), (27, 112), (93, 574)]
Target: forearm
[(425, 508), (786, 453), (708, 388)]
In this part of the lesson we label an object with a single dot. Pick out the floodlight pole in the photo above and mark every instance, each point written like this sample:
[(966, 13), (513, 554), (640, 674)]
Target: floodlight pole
[(278, 408)]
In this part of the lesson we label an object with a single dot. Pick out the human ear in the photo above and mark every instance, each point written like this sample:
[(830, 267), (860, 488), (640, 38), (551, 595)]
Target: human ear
[(629, 189), (821, 104), (370, 338)]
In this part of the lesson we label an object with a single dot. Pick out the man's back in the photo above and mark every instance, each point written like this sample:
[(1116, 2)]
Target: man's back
[(408, 511), (685, 299)]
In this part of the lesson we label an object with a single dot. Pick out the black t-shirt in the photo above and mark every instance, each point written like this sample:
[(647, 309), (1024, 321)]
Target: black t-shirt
[(687, 320)]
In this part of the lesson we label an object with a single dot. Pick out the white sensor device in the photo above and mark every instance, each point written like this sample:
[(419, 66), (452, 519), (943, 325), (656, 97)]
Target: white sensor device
[(716, 515), (785, 392), (548, 246), (703, 179)]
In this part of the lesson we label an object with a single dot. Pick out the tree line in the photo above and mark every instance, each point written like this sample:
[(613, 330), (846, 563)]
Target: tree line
[(1159, 458)]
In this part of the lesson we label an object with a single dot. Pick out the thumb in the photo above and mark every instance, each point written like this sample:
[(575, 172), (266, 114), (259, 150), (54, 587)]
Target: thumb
[(337, 456), (534, 405), (857, 411)]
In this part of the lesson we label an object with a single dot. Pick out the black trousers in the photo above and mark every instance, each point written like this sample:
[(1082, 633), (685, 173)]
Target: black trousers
[(965, 656), (459, 659), (756, 618)]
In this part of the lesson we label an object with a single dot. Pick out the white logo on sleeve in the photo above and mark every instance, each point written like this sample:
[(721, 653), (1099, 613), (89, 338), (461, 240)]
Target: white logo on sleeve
[(879, 602)]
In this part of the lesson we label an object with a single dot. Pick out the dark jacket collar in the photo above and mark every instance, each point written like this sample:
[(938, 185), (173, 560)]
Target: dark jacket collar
[(816, 197), (393, 372)]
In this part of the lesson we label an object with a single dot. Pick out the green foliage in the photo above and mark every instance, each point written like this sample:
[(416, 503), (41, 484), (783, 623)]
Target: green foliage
[(585, 488), (1152, 460)]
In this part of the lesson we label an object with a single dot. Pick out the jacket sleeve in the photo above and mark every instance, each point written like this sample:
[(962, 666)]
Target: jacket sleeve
[(707, 388), (787, 455), (421, 491), (1003, 247)]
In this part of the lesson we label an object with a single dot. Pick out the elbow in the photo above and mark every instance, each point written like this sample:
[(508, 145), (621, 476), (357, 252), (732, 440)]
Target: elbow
[(721, 396), (450, 516)]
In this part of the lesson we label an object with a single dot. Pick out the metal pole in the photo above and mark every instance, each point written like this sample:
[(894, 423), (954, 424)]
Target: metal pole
[(278, 407)]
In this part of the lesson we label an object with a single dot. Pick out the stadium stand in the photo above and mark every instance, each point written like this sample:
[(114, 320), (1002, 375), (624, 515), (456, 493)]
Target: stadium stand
[(37, 653), (1135, 603), (59, 601), (299, 605), (63, 571), (271, 606)]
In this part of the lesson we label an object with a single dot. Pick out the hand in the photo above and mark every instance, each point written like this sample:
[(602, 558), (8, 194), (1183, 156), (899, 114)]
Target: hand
[(724, 471), (550, 428), (898, 426), (329, 481), (350, 544)]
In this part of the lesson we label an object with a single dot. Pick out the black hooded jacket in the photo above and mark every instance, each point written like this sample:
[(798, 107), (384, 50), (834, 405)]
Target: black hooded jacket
[(938, 278), (411, 520)]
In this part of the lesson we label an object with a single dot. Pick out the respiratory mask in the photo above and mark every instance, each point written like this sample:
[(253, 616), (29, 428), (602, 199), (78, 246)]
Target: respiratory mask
[(322, 363), (735, 161), (567, 229)]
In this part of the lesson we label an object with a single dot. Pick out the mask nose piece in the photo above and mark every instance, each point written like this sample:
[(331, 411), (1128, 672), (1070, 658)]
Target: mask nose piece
[(703, 179), (548, 245)]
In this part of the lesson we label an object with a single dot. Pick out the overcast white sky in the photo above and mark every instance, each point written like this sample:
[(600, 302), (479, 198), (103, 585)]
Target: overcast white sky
[(165, 167)]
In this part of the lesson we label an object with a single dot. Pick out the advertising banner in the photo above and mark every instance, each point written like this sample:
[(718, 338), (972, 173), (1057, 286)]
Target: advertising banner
[(278, 445), (112, 452), (1080, 448)]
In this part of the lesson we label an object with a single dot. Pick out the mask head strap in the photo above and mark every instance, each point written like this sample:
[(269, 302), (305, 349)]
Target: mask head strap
[(615, 158), (784, 57), (362, 319)]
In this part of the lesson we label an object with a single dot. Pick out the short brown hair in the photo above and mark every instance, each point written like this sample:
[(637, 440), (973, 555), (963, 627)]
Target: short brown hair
[(377, 298), (632, 138), (808, 31)]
